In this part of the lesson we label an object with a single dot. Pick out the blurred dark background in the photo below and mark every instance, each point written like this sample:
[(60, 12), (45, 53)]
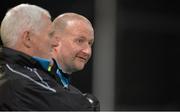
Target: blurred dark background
[(147, 49)]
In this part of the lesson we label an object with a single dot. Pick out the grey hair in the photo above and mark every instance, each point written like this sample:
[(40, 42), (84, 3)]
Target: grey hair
[(19, 19)]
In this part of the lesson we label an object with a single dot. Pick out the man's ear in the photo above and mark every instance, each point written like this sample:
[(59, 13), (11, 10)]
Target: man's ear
[(26, 39), (56, 50)]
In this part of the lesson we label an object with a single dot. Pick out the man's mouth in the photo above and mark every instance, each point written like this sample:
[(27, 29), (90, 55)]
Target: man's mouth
[(83, 59)]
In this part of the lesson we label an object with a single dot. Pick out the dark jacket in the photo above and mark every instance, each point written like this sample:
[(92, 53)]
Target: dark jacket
[(25, 85)]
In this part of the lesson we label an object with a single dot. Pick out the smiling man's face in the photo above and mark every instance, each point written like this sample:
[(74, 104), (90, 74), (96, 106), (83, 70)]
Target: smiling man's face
[(75, 44)]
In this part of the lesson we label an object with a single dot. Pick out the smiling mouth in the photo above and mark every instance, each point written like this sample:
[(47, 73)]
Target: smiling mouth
[(83, 59)]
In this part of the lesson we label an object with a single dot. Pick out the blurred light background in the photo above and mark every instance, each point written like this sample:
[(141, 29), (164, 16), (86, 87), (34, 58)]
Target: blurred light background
[(135, 62)]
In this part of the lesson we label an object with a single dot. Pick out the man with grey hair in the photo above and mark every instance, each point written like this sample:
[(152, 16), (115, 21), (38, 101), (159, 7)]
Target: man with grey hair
[(27, 28), (26, 34)]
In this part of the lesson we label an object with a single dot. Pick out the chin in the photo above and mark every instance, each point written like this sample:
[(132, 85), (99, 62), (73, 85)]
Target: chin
[(80, 68)]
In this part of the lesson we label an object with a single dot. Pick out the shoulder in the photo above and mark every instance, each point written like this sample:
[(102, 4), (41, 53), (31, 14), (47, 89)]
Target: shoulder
[(19, 85), (10, 77), (24, 77)]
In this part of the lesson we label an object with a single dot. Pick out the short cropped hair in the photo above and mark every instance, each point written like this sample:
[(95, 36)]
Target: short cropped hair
[(60, 22)]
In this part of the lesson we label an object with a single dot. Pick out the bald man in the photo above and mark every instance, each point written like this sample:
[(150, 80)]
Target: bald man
[(76, 37)]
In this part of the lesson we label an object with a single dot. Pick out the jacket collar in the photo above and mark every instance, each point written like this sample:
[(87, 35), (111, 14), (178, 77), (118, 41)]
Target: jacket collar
[(11, 56)]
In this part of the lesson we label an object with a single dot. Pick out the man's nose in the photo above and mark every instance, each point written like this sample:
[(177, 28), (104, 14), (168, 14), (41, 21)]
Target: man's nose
[(87, 50)]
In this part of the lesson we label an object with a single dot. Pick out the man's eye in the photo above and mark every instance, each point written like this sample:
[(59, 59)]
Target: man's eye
[(90, 43), (80, 40)]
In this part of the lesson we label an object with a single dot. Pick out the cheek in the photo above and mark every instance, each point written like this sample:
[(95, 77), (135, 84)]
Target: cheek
[(68, 51), (67, 47), (71, 53)]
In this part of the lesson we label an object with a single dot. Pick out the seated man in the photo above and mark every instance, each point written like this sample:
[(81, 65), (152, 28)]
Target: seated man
[(76, 36)]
